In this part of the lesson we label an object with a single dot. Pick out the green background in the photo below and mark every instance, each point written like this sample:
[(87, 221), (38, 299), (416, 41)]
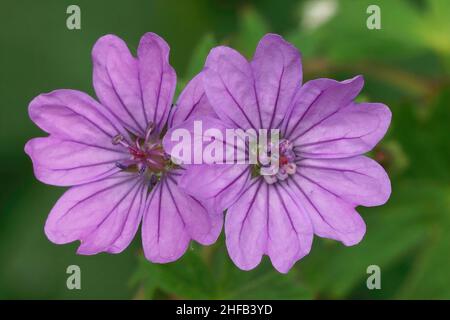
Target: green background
[(406, 65)]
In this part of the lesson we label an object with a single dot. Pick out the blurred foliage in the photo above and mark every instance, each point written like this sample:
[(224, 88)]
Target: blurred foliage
[(406, 64)]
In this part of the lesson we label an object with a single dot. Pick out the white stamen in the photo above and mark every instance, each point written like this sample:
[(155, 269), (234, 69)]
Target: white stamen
[(290, 168), (270, 179)]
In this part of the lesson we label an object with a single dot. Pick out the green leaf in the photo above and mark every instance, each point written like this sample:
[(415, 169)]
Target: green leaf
[(264, 282), (423, 134), (187, 278), (435, 27), (252, 29), (394, 231), (208, 273), (429, 276), (396, 38), (199, 55)]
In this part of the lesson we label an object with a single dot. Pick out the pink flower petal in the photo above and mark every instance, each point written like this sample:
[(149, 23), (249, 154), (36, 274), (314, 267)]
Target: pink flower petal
[(66, 163), (257, 94), (332, 217), (73, 115), (172, 219), (220, 184), (316, 101), (104, 215), (229, 86), (157, 77), (135, 90), (353, 130), (357, 180), (79, 149), (192, 103), (267, 220), (277, 74)]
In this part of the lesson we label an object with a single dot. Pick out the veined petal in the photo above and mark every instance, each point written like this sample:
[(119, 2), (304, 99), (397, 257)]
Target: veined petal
[(228, 83), (66, 163), (74, 116), (171, 219), (353, 130), (157, 77), (136, 90), (277, 74), (289, 228), (116, 82), (266, 220), (316, 101), (79, 148), (246, 227), (357, 180), (332, 217), (104, 215), (221, 185), (257, 94), (192, 103)]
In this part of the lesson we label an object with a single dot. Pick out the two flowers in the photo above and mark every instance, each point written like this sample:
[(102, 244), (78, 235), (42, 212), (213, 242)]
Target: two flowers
[(115, 155)]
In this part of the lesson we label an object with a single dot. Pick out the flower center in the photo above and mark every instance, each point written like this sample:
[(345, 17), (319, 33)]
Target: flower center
[(147, 156), (281, 164)]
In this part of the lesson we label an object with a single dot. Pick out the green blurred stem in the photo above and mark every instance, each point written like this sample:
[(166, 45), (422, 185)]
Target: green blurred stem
[(410, 82)]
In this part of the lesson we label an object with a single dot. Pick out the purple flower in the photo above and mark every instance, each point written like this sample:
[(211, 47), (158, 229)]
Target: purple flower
[(323, 173), (111, 155)]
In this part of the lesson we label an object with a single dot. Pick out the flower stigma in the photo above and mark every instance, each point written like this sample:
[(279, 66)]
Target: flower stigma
[(147, 156)]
